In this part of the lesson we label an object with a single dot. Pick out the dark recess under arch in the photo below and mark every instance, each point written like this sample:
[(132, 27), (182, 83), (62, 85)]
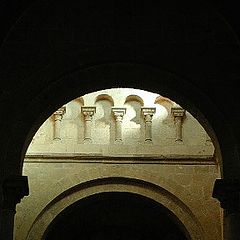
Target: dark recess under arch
[(115, 216)]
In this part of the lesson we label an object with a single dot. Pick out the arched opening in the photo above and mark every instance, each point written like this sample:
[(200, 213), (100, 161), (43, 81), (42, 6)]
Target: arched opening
[(118, 216), (121, 45), (123, 138), (96, 184), (168, 84)]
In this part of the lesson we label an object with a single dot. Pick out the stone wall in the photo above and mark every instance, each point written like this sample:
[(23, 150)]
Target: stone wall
[(130, 134), (131, 107)]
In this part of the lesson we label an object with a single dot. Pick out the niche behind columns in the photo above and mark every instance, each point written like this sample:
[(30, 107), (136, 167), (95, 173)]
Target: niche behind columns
[(78, 118), (163, 127), (133, 120), (72, 122), (102, 130)]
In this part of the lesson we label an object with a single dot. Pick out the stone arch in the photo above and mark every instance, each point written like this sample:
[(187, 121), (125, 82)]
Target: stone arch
[(134, 104), (80, 100), (118, 214), (168, 84), (192, 227), (38, 94), (165, 102), (134, 98), (105, 102), (105, 97), (59, 73)]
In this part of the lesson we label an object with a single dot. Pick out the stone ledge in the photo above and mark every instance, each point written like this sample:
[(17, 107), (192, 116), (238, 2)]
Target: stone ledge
[(127, 159)]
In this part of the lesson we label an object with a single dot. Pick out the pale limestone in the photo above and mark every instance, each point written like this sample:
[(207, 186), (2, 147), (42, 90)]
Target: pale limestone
[(186, 170)]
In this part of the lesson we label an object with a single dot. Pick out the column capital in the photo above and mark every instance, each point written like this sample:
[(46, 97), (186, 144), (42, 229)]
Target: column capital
[(88, 111), (178, 111), (118, 112), (14, 189), (60, 111), (228, 194), (148, 111)]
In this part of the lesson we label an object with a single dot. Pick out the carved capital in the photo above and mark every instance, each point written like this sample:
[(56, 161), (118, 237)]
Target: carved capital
[(88, 112), (178, 112), (118, 113), (228, 194), (14, 189), (59, 113), (148, 113)]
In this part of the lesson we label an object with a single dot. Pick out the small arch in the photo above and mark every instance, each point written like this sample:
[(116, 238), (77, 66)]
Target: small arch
[(80, 100), (160, 79), (135, 98), (104, 97), (165, 102), (134, 112)]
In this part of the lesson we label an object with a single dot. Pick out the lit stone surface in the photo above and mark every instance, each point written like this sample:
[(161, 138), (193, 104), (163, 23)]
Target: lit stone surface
[(186, 170)]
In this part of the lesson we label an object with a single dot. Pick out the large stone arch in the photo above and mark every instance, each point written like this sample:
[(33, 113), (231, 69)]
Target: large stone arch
[(162, 82), (39, 73), (61, 72), (117, 184)]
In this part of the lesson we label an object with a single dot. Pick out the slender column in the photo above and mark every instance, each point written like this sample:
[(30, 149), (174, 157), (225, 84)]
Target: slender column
[(88, 113), (178, 114), (228, 193), (148, 115), (14, 189), (58, 115), (118, 114)]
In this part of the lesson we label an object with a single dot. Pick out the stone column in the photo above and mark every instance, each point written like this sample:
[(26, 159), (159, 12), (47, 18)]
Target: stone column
[(118, 114), (178, 114), (228, 193), (58, 115), (14, 188), (88, 113), (148, 115)]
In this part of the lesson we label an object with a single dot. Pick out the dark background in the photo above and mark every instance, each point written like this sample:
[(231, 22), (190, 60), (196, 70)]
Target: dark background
[(115, 216), (11, 10)]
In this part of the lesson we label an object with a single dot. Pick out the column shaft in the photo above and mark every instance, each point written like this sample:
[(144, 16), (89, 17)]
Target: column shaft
[(57, 123), (57, 126), (88, 113), (87, 129), (178, 114), (148, 128), (118, 114), (148, 115), (118, 130), (178, 124)]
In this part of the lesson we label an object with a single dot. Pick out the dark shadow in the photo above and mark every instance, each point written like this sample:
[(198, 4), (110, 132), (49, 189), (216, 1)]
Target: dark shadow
[(115, 216)]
